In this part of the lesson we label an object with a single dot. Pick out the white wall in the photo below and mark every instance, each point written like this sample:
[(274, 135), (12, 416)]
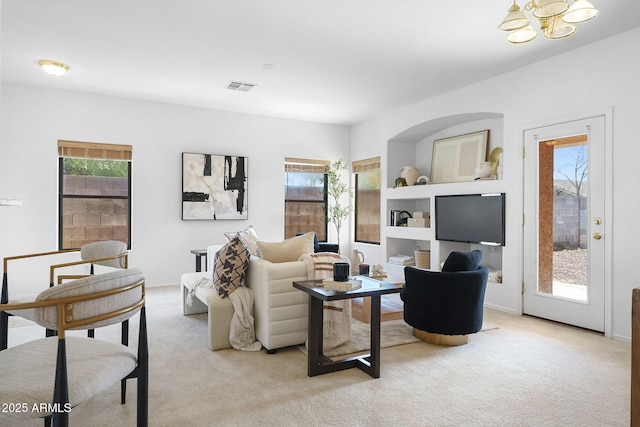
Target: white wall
[(35, 119), (593, 78), (568, 86)]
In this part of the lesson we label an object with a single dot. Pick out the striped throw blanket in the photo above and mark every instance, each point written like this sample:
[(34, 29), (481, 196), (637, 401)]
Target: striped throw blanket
[(336, 314)]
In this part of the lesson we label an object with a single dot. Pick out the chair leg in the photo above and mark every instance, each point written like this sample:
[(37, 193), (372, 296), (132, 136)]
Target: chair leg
[(125, 333), (124, 341), (4, 317), (60, 415), (4, 331), (123, 391), (143, 372)]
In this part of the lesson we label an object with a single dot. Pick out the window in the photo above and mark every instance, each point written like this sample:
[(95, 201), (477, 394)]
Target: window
[(367, 195), (305, 204), (94, 193)]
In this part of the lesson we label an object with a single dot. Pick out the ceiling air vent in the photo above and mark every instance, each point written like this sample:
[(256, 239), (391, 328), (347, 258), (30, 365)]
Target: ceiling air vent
[(243, 86)]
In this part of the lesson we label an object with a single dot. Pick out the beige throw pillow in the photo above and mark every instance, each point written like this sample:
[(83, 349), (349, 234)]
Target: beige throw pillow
[(287, 250)]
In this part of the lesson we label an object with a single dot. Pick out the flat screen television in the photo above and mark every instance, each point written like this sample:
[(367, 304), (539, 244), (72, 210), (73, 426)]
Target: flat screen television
[(471, 218)]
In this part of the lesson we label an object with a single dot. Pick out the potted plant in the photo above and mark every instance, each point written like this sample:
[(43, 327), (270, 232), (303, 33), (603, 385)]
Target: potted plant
[(336, 189)]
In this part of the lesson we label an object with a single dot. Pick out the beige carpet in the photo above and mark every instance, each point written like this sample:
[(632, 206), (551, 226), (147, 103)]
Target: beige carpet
[(528, 372)]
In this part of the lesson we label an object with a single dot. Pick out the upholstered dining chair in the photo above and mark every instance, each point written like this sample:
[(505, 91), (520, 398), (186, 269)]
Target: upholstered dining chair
[(109, 253), (50, 376), (445, 307)]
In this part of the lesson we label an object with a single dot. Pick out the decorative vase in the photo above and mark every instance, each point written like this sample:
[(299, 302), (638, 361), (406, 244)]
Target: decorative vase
[(410, 174), (423, 179), (356, 259)]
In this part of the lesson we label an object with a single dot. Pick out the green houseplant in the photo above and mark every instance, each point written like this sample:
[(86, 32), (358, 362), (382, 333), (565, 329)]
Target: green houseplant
[(337, 213)]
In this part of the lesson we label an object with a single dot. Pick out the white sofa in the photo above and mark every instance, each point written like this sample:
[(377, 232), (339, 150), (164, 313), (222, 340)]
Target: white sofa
[(280, 311)]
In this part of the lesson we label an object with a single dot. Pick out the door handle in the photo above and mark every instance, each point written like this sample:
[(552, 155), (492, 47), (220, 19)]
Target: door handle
[(597, 236)]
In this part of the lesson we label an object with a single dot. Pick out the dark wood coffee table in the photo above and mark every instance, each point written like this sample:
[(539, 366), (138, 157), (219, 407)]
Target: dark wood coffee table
[(317, 362)]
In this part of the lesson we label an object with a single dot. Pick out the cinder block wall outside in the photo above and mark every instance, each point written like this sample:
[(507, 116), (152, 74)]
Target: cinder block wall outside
[(302, 217), (565, 224), (368, 226), (88, 220)]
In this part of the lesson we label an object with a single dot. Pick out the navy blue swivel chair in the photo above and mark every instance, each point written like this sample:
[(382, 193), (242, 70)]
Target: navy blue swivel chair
[(445, 307)]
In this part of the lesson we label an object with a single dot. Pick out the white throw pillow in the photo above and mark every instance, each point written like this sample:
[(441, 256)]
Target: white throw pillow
[(248, 236)]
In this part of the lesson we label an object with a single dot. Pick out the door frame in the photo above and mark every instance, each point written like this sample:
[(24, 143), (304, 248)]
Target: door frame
[(607, 113)]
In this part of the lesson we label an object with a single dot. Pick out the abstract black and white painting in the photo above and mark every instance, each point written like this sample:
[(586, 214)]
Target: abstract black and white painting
[(214, 186)]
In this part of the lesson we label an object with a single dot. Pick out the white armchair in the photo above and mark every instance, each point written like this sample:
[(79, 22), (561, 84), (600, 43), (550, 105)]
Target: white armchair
[(280, 310)]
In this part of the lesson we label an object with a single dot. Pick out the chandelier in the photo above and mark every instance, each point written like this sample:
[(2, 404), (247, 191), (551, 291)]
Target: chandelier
[(555, 18)]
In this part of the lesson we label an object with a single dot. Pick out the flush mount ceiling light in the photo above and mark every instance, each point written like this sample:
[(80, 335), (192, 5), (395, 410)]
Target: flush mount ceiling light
[(555, 18), (53, 68)]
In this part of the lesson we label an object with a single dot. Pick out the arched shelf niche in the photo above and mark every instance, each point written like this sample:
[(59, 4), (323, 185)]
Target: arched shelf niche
[(413, 146)]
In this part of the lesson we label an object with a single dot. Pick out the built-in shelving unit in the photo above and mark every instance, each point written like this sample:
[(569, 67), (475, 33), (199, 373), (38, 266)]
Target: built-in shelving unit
[(414, 147)]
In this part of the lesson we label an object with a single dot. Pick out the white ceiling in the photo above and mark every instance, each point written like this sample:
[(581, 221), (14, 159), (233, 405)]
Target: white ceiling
[(333, 61)]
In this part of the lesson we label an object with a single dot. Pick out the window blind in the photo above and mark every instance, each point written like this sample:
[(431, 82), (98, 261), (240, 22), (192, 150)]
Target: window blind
[(94, 150), (366, 165), (305, 165)]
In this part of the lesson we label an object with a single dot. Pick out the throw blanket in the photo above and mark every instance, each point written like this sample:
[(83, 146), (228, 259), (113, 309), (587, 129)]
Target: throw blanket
[(336, 314), (241, 331)]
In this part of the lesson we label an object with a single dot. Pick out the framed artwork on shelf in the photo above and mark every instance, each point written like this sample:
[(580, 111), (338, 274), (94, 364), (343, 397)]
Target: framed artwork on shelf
[(455, 159), (214, 187)]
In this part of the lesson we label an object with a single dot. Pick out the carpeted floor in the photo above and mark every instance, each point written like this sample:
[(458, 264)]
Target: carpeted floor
[(527, 372)]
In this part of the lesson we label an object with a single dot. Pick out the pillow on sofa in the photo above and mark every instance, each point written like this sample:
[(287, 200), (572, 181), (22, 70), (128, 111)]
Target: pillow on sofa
[(230, 266), (248, 236), (316, 244), (287, 250), (462, 261)]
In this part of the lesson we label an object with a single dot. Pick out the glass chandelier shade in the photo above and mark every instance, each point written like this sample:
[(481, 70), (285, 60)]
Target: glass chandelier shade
[(522, 35), (555, 18), (514, 20), (560, 31), (580, 11), (549, 8)]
